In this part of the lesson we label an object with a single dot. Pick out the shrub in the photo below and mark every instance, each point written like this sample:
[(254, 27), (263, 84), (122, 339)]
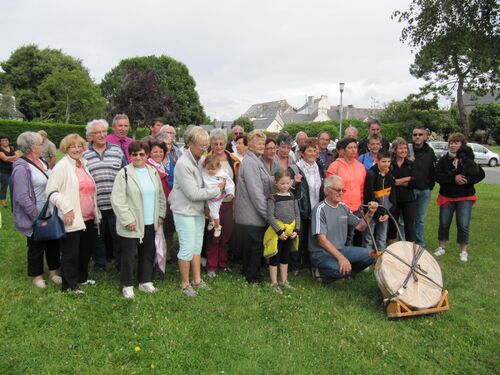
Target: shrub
[(55, 131)]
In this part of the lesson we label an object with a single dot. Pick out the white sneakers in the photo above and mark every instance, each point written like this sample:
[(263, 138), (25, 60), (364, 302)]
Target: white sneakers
[(464, 255), (128, 292), (147, 287), (439, 251), (39, 283)]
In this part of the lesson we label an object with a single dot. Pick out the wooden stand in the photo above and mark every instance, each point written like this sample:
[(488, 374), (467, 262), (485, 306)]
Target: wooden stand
[(397, 309)]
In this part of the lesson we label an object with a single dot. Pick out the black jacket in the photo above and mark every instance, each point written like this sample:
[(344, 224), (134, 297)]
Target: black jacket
[(446, 172), (301, 191), (424, 167), (363, 145), (379, 188), (404, 193)]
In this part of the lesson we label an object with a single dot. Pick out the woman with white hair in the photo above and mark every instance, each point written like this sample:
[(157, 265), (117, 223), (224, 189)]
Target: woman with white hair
[(29, 179), (253, 187), (187, 202)]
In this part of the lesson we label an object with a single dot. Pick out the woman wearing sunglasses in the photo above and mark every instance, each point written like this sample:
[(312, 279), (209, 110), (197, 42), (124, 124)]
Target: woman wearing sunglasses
[(140, 207)]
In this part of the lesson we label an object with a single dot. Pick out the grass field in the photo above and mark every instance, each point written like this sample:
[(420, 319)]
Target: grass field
[(242, 329)]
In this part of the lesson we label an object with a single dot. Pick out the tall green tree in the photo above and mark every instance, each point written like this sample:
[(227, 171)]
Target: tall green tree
[(174, 81), (457, 46), (71, 97), (26, 69)]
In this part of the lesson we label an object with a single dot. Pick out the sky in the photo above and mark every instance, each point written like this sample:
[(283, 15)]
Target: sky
[(239, 52)]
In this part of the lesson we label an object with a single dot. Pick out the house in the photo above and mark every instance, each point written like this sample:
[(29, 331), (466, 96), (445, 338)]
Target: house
[(273, 116), (472, 100), (8, 108)]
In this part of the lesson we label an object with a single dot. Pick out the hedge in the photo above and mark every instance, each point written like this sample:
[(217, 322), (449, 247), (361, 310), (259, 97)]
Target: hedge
[(55, 131), (389, 131)]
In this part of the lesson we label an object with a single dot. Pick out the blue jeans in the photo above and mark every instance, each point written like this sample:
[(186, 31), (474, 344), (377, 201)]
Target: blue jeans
[(379, 233), (422, 197), (329, 268), (464, 214)]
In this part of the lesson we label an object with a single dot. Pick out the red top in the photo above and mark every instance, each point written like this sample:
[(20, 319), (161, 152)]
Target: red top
[(87, 190), (443, 201), (354, 175)]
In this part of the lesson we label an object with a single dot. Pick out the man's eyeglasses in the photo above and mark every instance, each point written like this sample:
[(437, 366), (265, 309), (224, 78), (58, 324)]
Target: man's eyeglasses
[(418, 134), (141, 154), (340, 191)]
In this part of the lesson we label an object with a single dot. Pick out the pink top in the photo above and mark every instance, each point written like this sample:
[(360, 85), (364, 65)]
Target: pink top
[(87, 190), (122, 143), (353, 175)]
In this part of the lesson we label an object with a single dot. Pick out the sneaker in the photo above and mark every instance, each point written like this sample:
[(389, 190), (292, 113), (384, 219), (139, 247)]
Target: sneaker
[(147, 287), (211, 274), (201, 285), (88, 282), (287, 285), (56, 279), (210, 225), (78, 291), (39, 283), (439, 251), (227, 269), (218, 231), (189, 291), (128, 292), (464, 256), (276, 288)]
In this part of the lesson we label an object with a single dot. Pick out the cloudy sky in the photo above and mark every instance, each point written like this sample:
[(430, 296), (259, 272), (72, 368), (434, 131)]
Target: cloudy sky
[(239, 52)]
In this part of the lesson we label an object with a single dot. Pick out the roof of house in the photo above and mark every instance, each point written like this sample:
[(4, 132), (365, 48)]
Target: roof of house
[(267, 109), (262, 124), (8, 108)]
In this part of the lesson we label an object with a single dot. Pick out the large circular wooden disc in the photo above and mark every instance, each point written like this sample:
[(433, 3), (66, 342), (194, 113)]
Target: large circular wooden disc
[(391, 273)]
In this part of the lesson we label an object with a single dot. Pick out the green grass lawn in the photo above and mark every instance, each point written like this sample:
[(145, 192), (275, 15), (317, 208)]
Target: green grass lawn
[(242, 329)]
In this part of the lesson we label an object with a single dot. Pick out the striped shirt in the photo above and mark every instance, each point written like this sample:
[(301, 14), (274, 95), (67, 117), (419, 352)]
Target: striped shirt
[(104, 169)]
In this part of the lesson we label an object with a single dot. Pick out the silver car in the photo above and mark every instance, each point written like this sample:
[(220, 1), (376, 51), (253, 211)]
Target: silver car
[(482, 155)]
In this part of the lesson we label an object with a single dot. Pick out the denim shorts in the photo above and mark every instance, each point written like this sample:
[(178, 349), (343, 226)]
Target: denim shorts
[(190, 232)]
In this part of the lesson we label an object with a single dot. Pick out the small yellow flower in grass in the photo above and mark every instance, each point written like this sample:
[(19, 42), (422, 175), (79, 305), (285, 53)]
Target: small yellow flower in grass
[(152, 365), (137, 349)]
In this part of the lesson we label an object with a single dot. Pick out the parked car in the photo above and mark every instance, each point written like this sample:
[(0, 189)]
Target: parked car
[(482, 155), (440, 148)]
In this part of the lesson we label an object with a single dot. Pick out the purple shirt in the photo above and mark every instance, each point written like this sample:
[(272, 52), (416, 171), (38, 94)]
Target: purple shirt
[(122, 143)]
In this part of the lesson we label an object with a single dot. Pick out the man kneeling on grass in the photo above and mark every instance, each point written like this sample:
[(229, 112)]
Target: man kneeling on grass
[(329, 225)]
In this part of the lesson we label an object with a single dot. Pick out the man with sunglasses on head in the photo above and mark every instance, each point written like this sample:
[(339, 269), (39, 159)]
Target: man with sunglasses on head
[(425, 162), (236, 132), (330, 220)]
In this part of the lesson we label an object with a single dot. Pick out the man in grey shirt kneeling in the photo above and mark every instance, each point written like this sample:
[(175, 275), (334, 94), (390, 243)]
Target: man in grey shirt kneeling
[(329, 225)]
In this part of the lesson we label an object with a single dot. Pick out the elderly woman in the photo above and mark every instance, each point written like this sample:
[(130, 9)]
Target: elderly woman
[(7, 157), (139, 203), (74, 194), (405, 204), (253, 187), (241, 146), (308, 178), (217, 247), (187, 201), (29, 180), (268, 158), (456, 173), (283, 157), (353, 173)]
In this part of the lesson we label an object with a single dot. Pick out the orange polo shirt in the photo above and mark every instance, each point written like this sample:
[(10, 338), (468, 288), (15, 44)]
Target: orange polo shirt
[(353, 175)]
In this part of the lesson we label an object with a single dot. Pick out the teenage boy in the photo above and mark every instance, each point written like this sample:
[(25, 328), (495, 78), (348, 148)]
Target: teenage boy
[(379, 184)]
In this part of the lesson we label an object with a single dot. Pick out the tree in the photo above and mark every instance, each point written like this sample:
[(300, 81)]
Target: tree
[(487, 118), (457, 45), (139, 96), (71, 97), (245, 123), (174, 81), (25, 70)]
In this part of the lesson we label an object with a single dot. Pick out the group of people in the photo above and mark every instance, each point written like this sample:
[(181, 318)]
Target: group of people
[(255, 199)]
